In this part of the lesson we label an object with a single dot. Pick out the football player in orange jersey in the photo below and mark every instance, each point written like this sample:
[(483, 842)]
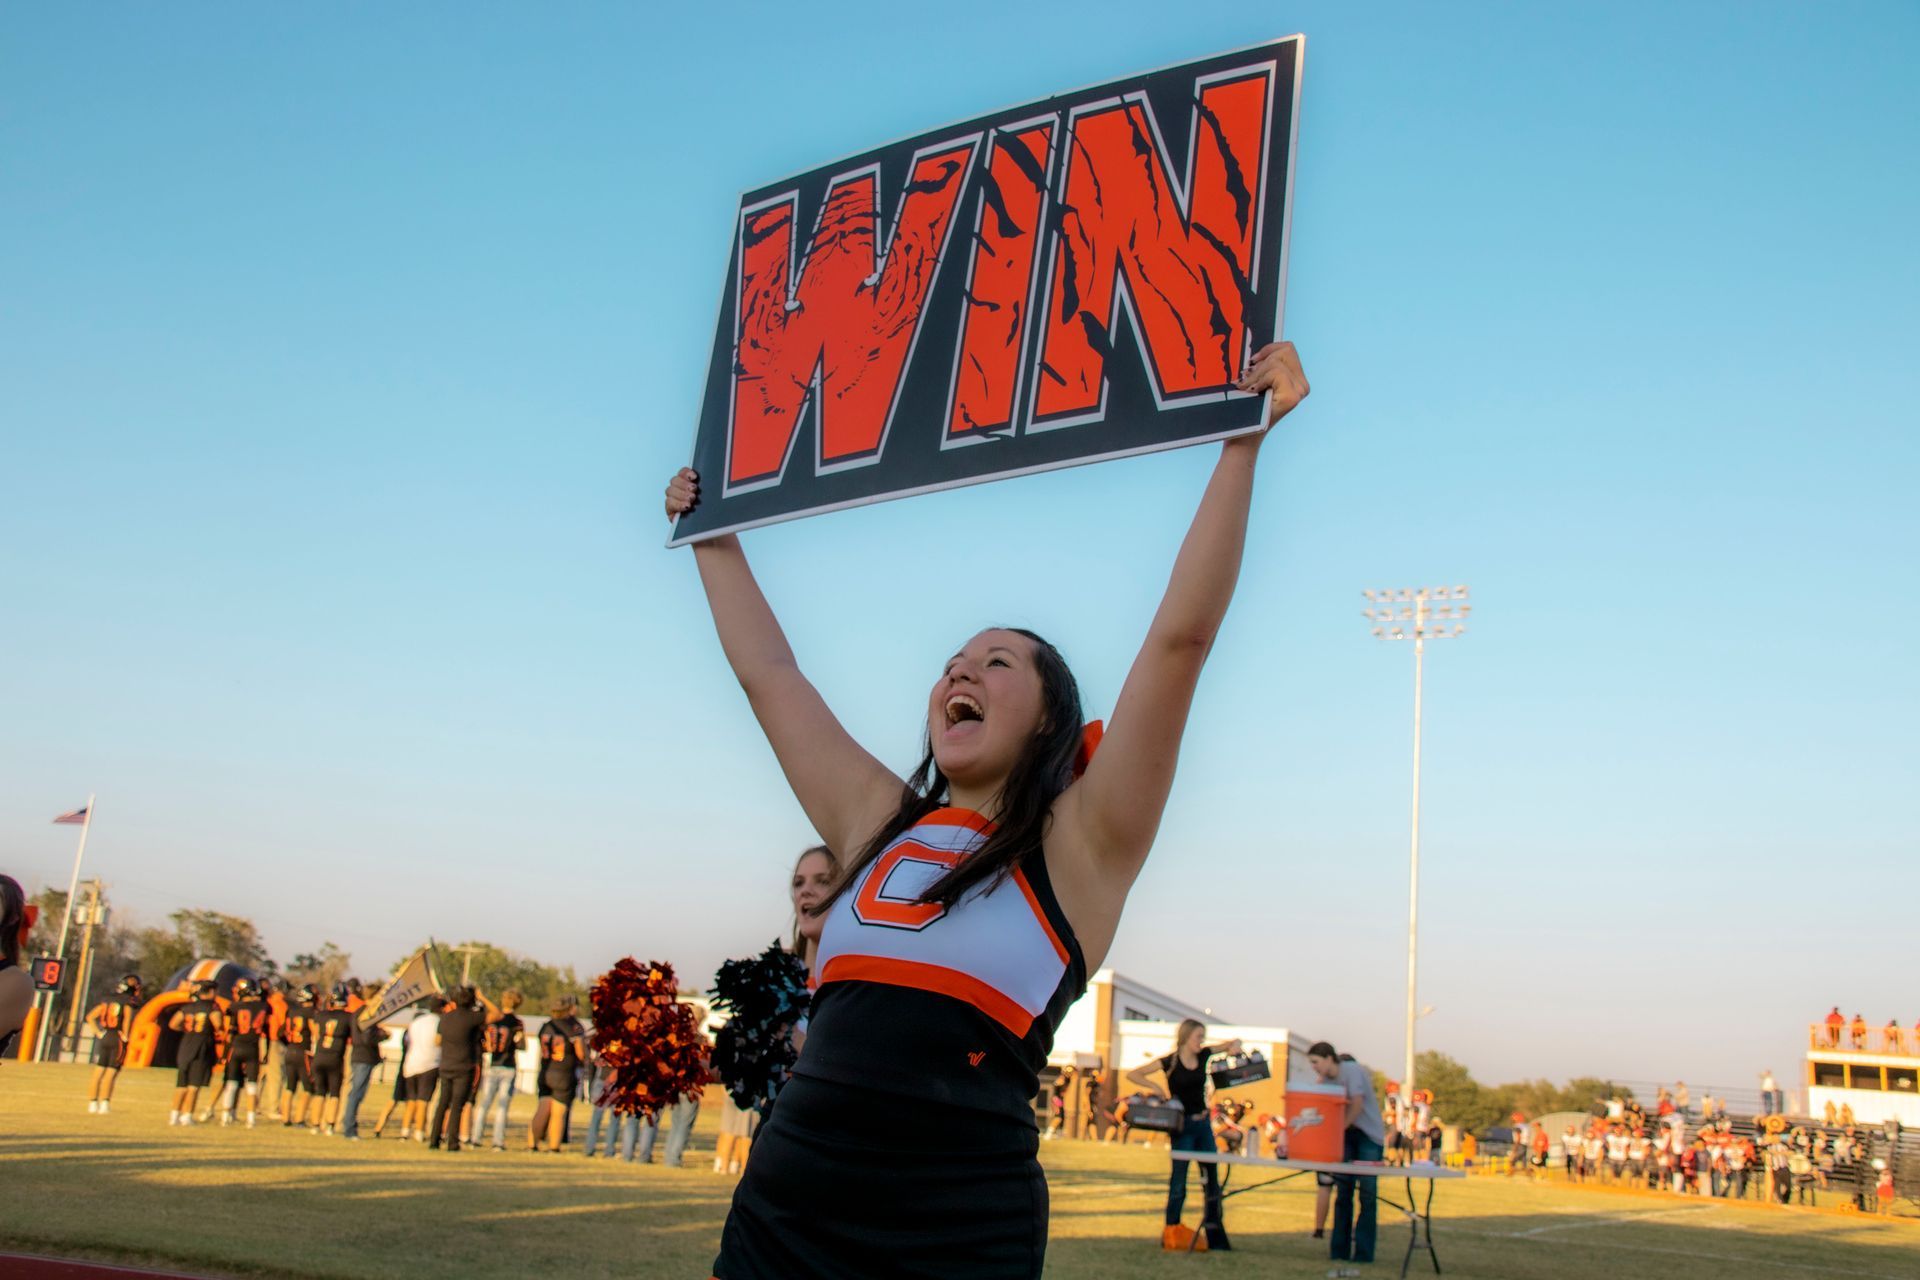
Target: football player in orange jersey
[(112, 1021)]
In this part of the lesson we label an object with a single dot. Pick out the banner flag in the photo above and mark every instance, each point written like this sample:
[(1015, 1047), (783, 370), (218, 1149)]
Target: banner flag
[(413, 980), (1073, 279)]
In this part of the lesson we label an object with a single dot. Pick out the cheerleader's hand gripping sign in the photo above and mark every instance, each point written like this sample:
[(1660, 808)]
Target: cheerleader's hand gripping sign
[(1078, 278)]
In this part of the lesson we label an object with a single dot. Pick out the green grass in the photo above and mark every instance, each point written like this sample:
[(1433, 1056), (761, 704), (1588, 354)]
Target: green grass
[(277, 1202)]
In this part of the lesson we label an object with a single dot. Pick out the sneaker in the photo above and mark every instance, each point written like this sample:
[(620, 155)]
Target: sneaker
[(205, 1117), (226, 1118), (498, 1147), (250, 1122), (106, 1105), (93, 1107), (329, 1131), (173, 1118), (315, 1130)]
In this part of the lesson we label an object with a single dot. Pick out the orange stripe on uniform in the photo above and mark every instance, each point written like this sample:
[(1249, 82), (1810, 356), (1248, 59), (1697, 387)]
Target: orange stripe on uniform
[(930, 977)]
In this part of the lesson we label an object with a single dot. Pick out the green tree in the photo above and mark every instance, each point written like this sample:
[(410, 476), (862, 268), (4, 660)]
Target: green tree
[(322, 968), (1457, 1097)]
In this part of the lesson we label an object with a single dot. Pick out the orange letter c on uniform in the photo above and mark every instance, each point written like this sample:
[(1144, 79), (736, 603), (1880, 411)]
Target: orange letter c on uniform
[(897, 913)]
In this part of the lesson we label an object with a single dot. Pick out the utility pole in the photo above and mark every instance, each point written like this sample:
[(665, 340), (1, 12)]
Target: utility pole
[(1411, 613), (466, 963), (83, 970)]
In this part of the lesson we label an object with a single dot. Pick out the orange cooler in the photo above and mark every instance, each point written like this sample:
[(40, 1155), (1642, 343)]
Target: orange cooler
[(1316, 1122)]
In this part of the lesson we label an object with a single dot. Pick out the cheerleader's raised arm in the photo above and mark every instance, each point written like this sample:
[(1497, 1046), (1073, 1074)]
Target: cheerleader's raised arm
[(1104, 825), (845, 792)]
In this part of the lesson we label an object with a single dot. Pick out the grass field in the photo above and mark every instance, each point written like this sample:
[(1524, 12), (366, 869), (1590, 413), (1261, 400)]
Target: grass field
[(281, 1202)]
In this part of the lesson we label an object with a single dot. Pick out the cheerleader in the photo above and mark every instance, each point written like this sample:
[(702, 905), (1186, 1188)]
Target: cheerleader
[(977, 896), (807, 888), (110, 1020)]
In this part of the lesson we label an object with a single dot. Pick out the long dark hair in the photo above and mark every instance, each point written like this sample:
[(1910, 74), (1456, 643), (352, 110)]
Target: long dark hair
[(13, 914), (1037, 778)]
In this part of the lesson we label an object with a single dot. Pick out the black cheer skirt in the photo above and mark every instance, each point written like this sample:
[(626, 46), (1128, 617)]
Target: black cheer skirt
[(849, 1182)]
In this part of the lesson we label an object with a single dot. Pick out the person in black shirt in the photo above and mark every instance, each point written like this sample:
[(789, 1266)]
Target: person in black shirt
[(501, 1041), (198, 1021), (249, 1022), (1185, 1070), (366, 1038), (328, 1032), (295, 1066), (563, 1047), (460, 1025)]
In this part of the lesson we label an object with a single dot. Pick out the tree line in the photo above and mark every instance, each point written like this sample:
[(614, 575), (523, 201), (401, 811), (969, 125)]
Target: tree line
[(1460, 1099), (123, 945)]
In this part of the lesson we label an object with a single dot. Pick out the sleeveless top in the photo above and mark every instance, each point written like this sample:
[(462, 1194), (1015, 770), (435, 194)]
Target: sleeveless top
[(956, 1005)]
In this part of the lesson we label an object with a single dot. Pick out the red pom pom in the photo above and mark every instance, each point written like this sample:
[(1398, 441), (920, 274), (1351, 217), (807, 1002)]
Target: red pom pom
[(648, 1039)]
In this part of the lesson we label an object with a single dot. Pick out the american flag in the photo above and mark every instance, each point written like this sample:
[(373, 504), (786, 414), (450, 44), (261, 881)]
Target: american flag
[(74, 819)]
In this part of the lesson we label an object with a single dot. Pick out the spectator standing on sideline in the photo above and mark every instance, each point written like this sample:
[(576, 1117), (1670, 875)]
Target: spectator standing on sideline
[(563, 1047), (1353, 1234), (460, 1027), (501, 1041), (680, 1118), (420, 1070), (366, 1039)]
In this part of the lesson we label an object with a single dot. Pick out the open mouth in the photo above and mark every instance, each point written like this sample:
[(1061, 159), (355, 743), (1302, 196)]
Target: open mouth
[(962, 709)]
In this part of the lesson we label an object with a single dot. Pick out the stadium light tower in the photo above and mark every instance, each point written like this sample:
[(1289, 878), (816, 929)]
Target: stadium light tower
[(1418, 614)]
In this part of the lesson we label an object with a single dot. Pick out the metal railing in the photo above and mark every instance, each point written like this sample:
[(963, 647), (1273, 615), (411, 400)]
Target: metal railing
[(1850, 1037)]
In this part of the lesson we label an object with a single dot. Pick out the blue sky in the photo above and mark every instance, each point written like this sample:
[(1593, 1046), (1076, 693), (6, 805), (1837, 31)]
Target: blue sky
[(344, 352)]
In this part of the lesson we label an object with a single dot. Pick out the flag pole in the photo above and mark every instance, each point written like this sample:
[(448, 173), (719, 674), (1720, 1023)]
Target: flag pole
[(66, 923)]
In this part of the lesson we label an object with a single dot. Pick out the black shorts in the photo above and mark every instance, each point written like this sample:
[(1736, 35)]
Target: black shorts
[(109, 1050), (244, 1066), (195, 1072), (561, 1088), (830, 1193), (420, 1088), (293, 1070), (327, 1078)]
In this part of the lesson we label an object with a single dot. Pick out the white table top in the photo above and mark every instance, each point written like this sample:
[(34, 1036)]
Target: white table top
[(1423, 1170)]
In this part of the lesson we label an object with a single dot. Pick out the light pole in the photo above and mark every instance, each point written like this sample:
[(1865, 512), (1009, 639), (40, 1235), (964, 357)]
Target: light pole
[(1418, 614)]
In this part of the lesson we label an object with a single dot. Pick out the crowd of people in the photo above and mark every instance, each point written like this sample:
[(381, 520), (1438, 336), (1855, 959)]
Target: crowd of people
[(1857, 1035), (1667, 1151), (304, 1058)]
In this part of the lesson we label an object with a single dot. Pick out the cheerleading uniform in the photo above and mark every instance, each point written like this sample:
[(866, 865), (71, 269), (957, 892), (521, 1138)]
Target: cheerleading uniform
[(920, 1159)]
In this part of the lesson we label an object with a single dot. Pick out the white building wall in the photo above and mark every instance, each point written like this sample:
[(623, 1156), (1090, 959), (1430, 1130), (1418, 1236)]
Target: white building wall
[(1870, 1106)]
